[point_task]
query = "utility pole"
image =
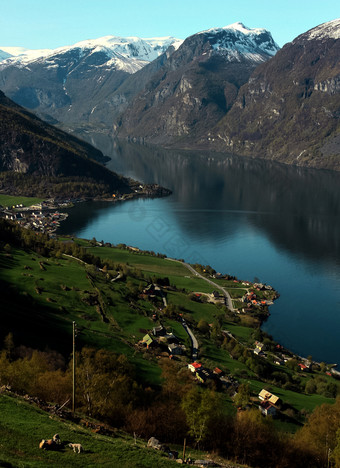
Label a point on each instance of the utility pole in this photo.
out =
(74, 369)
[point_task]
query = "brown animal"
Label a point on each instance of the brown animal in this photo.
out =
(48, 444)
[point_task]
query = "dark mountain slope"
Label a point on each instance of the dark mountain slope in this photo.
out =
(30, 146)
(289, 109)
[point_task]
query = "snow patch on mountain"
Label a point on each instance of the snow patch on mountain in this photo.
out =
(21, 53)
(236, 40)
(125, 53)
(331, 29)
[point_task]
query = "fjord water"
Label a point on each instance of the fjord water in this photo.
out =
(245, 217)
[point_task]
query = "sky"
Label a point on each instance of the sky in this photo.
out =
(37, 24)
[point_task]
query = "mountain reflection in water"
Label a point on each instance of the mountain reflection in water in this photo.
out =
(246, 217)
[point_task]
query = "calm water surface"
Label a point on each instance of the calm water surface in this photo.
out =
(249, 218)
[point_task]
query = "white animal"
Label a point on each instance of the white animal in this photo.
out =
(76, 447)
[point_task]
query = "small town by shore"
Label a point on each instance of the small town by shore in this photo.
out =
(46, 216)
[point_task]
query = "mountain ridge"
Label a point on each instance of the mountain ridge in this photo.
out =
(196, 85)
(228, 89)
(288, 110)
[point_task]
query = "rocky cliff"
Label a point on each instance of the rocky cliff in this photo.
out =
(289, 109)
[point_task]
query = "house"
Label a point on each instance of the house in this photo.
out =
(264, 395)
(203, 375)
(175, 349)
(200, 376)
(267, 409)
(171, 338)
(225, 381)
(207, 373)
(194, 366)
(303, 367)
(260, 346)
(278, 361)
(259, 286)
(158, 331)
(148, 340)
(258, 352)
(335, 373)
(218, 372)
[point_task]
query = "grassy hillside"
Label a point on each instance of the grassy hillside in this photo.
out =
(49, 293)
(24, 425)
(46, 285)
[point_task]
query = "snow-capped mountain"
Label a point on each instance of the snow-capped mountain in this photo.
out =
(289, 109)
(125, 53)
(197, 85)
(236, 41)
(70, 85)
(91, 83)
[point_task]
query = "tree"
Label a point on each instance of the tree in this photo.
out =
(9, 345)
(310, 386)
(203, 326)
(242, 397)
(201, 409)
(320, 431)
(7, 248)
(336, 451)
(106, 387)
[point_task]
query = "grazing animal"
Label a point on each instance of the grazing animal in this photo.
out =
(56, 439)
(48, 444)
(76, 447)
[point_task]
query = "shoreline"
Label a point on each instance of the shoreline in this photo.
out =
(146, 191)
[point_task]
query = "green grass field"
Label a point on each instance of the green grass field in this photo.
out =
(22, 426)
(9, 200)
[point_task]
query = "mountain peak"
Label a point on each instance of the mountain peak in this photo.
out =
(331, 29)
(237, 39)
(238, 26)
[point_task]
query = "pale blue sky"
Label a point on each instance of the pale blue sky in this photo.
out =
(53, 23)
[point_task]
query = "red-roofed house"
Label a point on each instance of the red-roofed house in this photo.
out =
(218, 371)
(303, 367)
(194, 366)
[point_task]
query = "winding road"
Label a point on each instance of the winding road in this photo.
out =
(227, 296)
